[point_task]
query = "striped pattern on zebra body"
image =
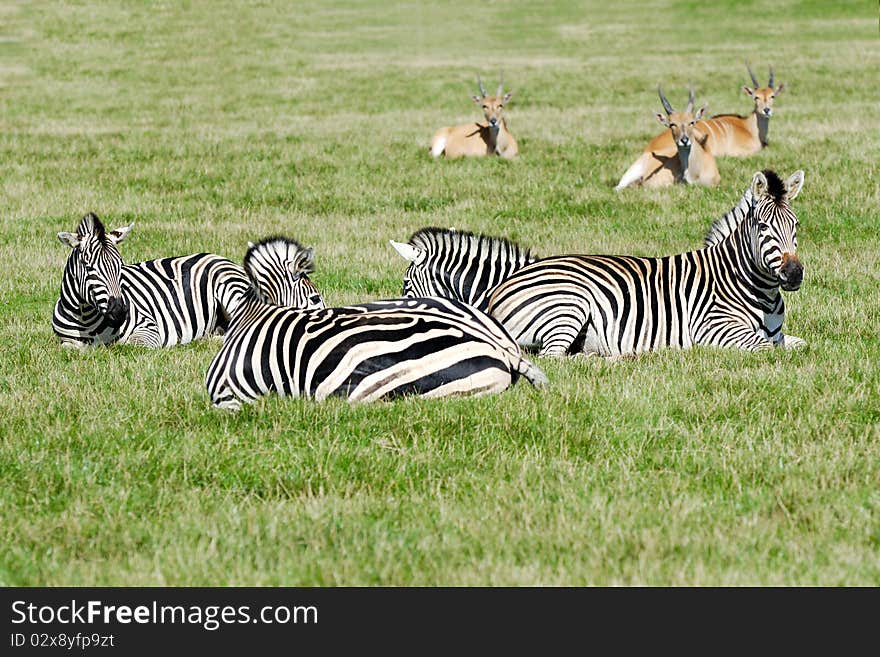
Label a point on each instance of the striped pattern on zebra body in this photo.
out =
(727, 294)
(458, 264)
(426, 347)
(155, 303)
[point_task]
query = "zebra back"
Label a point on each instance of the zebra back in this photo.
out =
(458, 264)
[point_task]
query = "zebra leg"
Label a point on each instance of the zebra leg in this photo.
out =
(557, 336)
(144, 334)
(223, 397)
(73, 344)
(741, 337)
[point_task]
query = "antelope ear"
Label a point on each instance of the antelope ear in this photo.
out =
(794, 184)
(759, 184)
(477, 99)
(409, 252)
(701, 112)
(508, 96)
(69, 239)
(778, 90)
(662, 118)
(749, 92)
(116, 236)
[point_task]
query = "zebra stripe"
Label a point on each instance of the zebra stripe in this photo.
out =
(724, 295)
(428, 347)
(458, 264)
(155, 303)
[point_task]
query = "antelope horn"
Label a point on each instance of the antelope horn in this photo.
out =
(663, 100)
(752, 74)
(770, 83)
(500, 84)
(690, 106)
(480, 85)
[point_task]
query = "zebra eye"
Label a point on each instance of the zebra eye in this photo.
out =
(763, 226)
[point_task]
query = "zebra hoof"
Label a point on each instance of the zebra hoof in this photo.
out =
(73, 344)
(792, 342)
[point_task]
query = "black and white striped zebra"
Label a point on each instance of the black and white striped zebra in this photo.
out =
(727, 294)
(458, 265)
(155, 303)
(428, 347)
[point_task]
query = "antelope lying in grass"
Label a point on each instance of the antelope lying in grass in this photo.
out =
(478, 139)
(732, 134)
(680, 153)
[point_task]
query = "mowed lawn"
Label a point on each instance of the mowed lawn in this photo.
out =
(212, 124)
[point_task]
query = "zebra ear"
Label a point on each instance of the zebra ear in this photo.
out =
(409, 252)
(759, 185)
(116, 236)
(251, 245)
(69, 239)
(305, 261)
(793, 184)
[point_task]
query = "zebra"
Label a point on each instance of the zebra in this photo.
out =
(726, 294)
(154, 303)
(428, 347)
(458, 264)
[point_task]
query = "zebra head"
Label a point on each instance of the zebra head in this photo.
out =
(278, 269)
(459, 265)
(94, 268)
(419, 280)
(774, 227)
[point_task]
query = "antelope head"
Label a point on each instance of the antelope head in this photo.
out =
(763, 96)
(493, 106)
(682, 124)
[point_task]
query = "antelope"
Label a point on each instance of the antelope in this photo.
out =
(732, 134)
(478, 139)
(680, 153)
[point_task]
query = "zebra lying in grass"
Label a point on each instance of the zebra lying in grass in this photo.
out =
(427, 347)
(727, 294)
(155, 303)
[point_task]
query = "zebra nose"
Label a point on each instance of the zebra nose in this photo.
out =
(117, 311)
(792, 274)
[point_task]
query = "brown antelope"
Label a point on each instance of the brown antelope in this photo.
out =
(677, 154)
(732, 134)
(478, 139)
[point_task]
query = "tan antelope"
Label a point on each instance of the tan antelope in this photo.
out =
(732, 134)
(478, 139)
(677, 154)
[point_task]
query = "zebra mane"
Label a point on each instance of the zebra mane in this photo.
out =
(775, 187)
(91, 225)
(464, 240)
(730, 220)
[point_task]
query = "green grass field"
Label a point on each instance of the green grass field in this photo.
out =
(210, 126)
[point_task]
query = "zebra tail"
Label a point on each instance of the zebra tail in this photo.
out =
(532, 373)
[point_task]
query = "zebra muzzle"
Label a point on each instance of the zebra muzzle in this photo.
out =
(117, 311)
(791, 274)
